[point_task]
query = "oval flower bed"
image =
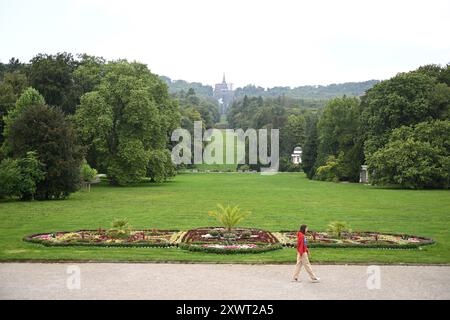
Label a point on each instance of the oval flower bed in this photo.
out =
(136, 238)
(355, 240)
(238, 240)
(219, 240)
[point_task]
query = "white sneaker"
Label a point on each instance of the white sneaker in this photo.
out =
(316, 280)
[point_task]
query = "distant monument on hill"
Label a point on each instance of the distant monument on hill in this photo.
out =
(223, 92)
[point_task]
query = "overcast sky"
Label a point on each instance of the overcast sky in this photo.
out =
(267, 43)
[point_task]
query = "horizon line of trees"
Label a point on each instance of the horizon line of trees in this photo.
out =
(305, 92)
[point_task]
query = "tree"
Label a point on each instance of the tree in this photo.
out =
(160, 166)
(45, 130)
(88, 74)
(406, 99)
(52, 76)
(292, 134)
(128, 117)
(29, 98)
(338, 137)
(309, 150)
(414, 157)
(11, 87)
(190, 105)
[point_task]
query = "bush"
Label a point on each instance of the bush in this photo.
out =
(286, 165)
(120, 229)
(415, 157)
(329, 171)
(244, 167)
(337, 228)
(87, 173)
(18, 177)
(9, 178)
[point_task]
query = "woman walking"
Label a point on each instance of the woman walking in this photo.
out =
(303, 255)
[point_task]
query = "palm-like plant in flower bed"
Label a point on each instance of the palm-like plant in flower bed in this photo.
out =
(121, 229)
(229, 239)
(229, 216)
(338, 228)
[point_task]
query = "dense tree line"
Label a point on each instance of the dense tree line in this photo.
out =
(195, 107)
(399, 128)
(308, 92)
(57, 111)
(283, 113)
(176, 86)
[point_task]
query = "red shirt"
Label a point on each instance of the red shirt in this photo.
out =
(301, 243)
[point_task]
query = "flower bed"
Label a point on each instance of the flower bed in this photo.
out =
(239, 240)
(136, 238)
(237, 236)
(230, 249)
(354, 240)
(218, 240)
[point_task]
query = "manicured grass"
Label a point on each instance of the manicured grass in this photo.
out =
(279, 202)
(224, 166)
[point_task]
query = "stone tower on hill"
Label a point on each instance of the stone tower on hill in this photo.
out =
(223, 92)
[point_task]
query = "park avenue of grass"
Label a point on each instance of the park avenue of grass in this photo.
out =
(279, 202)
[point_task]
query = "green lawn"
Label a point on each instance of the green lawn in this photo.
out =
(279, 202)
(224, 166)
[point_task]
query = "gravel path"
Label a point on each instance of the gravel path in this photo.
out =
(217, 281)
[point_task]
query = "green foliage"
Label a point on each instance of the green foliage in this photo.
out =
(9, 178)
(120, 228)
(286, 165)
(129, 164)
(309, 151)
(311, 93)
(160, 166)
(52, 75)
(329, 171)
(406, 99)
(274, 201)
(88, 74)
(18, 177)
(45, 130)
(177, 86)
(195, 107)
(285, 114)
(30, 97)
(87, 173)
(11, 87)
(32, 173)
(414, 157)
(229, 216)
(292, 134)
(338, 137)
(337, 228)
(125, 120)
